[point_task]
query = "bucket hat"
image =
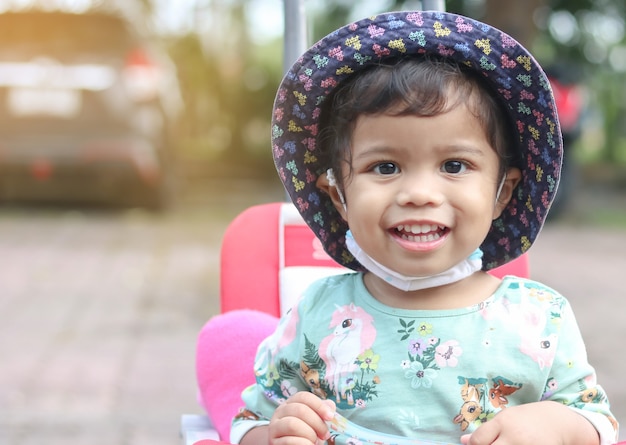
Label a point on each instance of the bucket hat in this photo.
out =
(515, 77)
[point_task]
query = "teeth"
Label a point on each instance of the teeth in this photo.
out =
(417, 229)
(420, 232)
(422, 238)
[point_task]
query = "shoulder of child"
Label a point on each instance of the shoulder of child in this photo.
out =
(528, 288)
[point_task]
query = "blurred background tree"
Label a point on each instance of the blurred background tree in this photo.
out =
(230, 66)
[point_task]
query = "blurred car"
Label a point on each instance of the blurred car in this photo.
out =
(88, 109)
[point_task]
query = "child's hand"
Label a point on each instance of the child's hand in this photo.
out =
(302, 419)
(548, 423)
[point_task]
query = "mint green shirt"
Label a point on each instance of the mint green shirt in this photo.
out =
(432, 375)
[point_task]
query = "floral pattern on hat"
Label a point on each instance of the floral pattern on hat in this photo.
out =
(511, 70)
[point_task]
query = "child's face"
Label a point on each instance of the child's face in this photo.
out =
(422, 192)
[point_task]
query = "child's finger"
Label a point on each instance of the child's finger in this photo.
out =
(325, 409)
(303, 415)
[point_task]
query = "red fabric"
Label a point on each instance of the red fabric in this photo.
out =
(303, 248)
(249, 261)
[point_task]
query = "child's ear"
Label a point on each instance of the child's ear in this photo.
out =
(513, 177)
(331, 190)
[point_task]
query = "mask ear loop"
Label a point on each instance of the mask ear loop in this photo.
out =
(332, 181)
(500, 188)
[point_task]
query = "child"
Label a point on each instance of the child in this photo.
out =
(423, 149)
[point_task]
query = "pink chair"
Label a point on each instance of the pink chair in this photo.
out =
(268, 257)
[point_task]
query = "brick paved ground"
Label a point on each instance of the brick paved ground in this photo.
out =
(99, 311)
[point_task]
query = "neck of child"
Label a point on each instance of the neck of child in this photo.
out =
(467, 292)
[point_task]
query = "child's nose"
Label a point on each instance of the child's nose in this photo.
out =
(420, 190)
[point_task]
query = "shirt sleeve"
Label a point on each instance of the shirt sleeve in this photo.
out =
(573, 380)
(278, 377)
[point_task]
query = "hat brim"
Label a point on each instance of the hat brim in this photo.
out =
(512, 71)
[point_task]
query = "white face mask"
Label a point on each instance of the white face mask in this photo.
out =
(462, 270)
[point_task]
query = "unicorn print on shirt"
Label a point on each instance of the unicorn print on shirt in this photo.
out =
(353, 334)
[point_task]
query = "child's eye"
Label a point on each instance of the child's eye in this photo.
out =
(386, 168)
(454, 167)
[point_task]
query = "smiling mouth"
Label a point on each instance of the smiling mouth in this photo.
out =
(420, 232)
